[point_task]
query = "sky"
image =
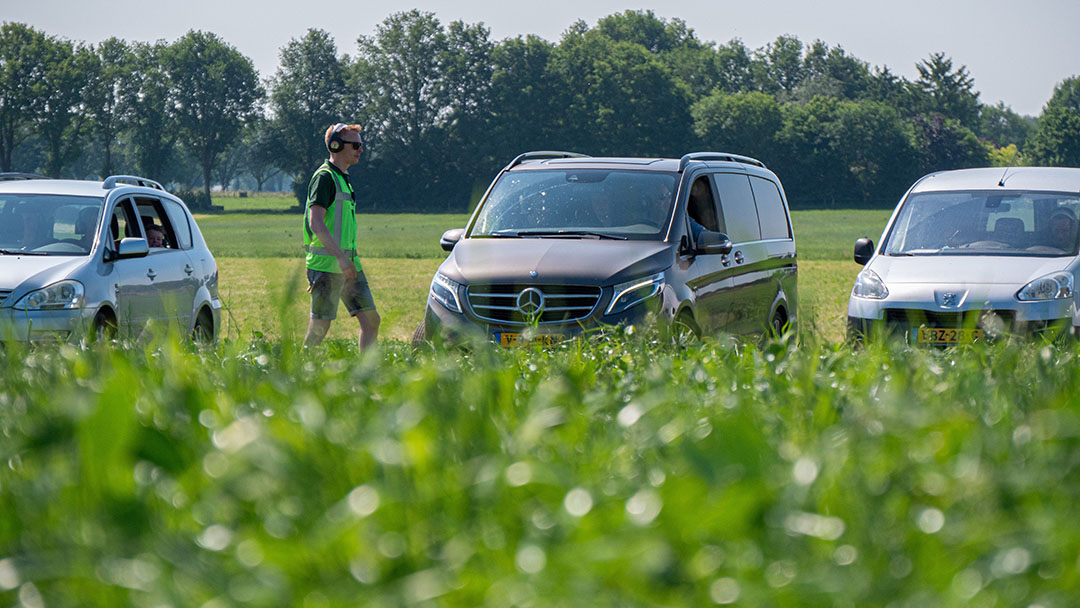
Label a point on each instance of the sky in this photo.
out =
(1015, 51)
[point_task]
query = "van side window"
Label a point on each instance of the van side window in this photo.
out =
(770, 207)
(700, 206)
(737, 205)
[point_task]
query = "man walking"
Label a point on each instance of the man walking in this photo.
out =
(333, 268)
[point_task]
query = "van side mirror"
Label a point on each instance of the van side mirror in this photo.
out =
(864, 250)
(709, 242)
(450, 238)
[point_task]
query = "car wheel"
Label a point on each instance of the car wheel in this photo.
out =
(778, 323)
(203, 332)
(684, 330)
(418, 337)
(104, 328)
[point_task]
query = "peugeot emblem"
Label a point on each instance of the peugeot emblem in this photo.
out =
(530, 302)
(948, 299)
(532, 273)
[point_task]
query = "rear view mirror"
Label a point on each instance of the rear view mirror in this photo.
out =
(864, 250)
(450, 238)
(713, 242)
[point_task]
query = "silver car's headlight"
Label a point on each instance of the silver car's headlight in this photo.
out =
(633, 292)
(869, 285)
(1054, 286)
(64, 295)
(445, 292)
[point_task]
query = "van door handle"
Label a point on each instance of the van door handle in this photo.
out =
(739, 257)
(150, 273)
(188, 269)
(724, 260)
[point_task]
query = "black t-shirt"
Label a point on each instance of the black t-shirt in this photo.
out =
(322, 189)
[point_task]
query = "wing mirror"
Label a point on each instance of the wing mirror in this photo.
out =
(450, 238)
(131, 247)
(864, 250)
(713, 242)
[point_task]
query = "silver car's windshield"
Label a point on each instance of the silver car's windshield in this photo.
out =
(585, 203)
(48, 224)
(1013, 223)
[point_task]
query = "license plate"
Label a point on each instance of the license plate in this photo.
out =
(942, 335)
(507, 338)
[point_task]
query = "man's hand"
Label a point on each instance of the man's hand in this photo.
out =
(347, 267)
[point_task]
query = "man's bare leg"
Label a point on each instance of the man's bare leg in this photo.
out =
(316, 331)
(369, 328)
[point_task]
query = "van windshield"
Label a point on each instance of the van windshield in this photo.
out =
(1012, 223)
(584, 203)
(48, 224)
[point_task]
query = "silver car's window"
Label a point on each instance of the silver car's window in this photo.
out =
(627, 204)
(1016, 223)
(49, 224)
(179, 223)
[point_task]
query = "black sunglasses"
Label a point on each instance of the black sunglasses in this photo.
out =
(355, 144)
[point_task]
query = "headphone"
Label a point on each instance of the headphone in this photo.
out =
(335, 143)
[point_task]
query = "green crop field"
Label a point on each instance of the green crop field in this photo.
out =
(613, 470)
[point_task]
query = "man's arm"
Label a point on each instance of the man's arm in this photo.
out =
(318, 226)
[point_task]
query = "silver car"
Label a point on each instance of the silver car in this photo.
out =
(974, 254)
(75, 260)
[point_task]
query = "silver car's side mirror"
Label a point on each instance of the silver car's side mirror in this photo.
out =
(864, 250)
(132, 247)
(450, 238)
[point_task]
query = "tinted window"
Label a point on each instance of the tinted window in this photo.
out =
(700, 205)
(179, 224)
(770, 207)
(737, 206)
(631, 204)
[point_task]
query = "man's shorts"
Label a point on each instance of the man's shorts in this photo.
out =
(328, 287)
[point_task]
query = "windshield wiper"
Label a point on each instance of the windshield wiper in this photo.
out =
(581, 233)
(503, 234)
(19, 252)
(913, 252)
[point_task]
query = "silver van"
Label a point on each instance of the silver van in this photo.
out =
(973, 254)
(85, 257)
(562, 243)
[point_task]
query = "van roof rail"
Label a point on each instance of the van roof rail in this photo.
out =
(520, 158)
(9, 176)
(724, 156)
(111, 181)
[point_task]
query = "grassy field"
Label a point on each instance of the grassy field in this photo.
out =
(260, 261)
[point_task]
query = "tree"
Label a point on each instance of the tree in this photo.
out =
(527, 98)
(60, 121)
(307, 95)
(1056, 141)
(779, 66)
(832, 72)
(24, 53)
(1000, 125)
(149, 108)
(945, 144)
(735, 68)
(110, 64)
(875, 145)
(744, 123)
(216, 90)
(948, 92)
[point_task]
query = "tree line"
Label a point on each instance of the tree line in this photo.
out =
(445, 106)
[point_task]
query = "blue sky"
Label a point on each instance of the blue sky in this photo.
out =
(1016, 51)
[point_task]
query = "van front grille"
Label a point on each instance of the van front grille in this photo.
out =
(504, 303)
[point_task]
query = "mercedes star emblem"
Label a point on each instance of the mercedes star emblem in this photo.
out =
(530, 302)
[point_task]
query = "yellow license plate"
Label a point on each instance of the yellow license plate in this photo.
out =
(941, 335)
(514, 339)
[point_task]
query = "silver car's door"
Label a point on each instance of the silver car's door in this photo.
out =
(175, 278)
(131, 283)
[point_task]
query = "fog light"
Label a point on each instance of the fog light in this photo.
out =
(992, 323)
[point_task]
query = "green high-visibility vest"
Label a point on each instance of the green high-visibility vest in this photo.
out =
(340, 223)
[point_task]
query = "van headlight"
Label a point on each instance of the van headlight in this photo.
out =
(1055, 286)
(633, 292)
(869, 285)
(64, 295)
(445, 292)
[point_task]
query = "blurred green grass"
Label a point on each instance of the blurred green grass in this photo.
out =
(606, 472)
